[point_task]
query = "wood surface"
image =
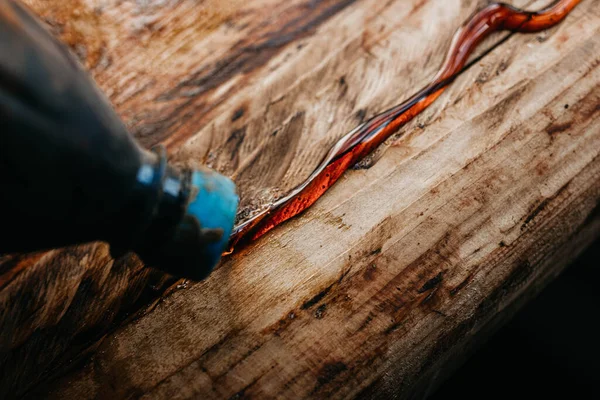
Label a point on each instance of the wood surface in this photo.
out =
(386, 282)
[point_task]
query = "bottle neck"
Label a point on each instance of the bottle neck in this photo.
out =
(178, 221)
(158, 205)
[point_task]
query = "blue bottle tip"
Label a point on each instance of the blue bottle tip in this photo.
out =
(215, 205)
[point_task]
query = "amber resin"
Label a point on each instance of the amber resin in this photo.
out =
(365, 138)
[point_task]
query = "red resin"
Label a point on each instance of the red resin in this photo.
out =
(367, 137)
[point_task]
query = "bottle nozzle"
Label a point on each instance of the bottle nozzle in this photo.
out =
(191, 220)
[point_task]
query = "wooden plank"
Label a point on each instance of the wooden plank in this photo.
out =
(391, 271)
(55, 305)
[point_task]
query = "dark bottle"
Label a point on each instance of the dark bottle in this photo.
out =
(71, 173)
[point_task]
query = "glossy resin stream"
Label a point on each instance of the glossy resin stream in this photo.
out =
(361, 141)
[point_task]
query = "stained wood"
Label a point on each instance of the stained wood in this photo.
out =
(469, 211)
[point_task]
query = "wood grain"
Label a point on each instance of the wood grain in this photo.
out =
(473, 206)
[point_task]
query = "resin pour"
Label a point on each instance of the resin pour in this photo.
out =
(361, 141)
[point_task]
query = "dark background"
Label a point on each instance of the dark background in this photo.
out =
(550, 348)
